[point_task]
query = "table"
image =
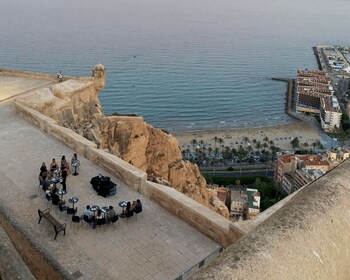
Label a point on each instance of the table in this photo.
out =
(73, 200)
(94, 208)
(104, 210)
(61, 192)
(123, 204)
(55, 180)
(75, 165)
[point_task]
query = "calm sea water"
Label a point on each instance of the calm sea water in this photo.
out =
(184, 64)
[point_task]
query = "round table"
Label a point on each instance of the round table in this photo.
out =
(61, 192)
(123, 204)
(55, 180)
(75, 165)
(73, 200)
(94, 208)
(104, 210)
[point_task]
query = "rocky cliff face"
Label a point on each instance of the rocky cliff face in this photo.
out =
(156, 153)
(75, 104)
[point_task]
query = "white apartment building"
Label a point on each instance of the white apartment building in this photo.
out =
(330, 113)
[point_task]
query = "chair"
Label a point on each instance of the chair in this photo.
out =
(40, 184)
(48, 198)
(100, 222)
(87, 220)
(138, 211)
(114, 219)
(76, 220)
(55, 199)
(61, 208)
(71, 210)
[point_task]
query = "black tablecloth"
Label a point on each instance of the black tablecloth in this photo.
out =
(103, 185)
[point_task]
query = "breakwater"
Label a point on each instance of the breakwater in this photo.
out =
(317, 54)
(289, 95)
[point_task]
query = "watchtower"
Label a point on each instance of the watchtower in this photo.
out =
(99, 74)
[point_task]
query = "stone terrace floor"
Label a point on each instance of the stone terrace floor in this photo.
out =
(12, 86)
(156, 245)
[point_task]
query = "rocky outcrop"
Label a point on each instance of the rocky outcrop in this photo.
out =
(74, 104)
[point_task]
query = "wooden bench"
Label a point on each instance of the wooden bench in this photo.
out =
(58, 227)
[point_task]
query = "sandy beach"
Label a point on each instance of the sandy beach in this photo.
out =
(281, 135)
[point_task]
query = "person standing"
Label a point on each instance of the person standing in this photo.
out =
(53, 165)
(60, 77)
(64, 176)
(64, 163)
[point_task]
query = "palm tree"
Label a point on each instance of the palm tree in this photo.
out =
(295, 143)
(215, 140)
(226, 153)
(249, 149)
(258, 146)
(265, 145)
(266, 139)
(210, 150)
(221, 142)
(201, 144)
(245, 140)
(194, 143)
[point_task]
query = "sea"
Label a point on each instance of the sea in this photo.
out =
(182, 65)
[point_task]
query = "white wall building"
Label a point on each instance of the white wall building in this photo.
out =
(330, 113)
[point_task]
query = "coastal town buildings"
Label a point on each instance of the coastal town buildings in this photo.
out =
(330, 113)
(243, 203)
(295, 171)
(315, 95)
(311, 86)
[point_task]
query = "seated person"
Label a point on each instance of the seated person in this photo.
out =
(128, 212)
(46, 181)
(99, 215)
(99, 219)
(88, 214)
(110, 214)
(138, 206)
(54, 196)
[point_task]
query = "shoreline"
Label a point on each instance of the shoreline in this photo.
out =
(280, 134)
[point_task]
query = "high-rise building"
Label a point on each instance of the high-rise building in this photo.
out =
(330, 113)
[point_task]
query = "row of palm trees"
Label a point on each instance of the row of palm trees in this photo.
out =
(202, 151)
(248, 150)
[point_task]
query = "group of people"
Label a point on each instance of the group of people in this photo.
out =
(98, 218)
(131, 208)
(49, 177)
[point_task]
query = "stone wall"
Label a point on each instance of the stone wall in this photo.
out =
(308, 238)
(21, 258)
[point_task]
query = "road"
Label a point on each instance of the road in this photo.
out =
(268, 173)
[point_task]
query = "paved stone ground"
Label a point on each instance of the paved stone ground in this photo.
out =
(12, 86)
(156, 245)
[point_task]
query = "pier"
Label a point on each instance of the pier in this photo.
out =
(289, 95)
